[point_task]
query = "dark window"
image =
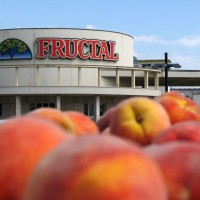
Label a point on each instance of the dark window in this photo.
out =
(102, 109)
(39, 105)
(34, 106)
(1, 110)
(45, 104)
(146, 65)
(86, 109)
(52, 105)
(89, 109)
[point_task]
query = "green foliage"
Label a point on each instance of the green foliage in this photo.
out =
(11, 46)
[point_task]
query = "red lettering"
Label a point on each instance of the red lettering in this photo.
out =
(71, 48)
(104, 52)
(43, 47)
(57, 46)
(71, 45)
(81, 51)
(94, 46)
(113, 56)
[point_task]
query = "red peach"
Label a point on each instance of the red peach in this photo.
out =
(106, 131)
(97, 167)
(104, 121)
(179, 107)
(55, 116)
(83, 125)
(23, 142)
(180, 165)
(139, 119)
(185, 130)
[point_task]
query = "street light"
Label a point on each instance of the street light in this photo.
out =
(166, 66)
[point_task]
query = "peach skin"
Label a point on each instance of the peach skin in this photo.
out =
(139, 119)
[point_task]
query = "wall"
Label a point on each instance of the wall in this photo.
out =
(124, 45)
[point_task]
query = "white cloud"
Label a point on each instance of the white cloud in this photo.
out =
(187, 61)
(149, 39)
(135, 54)
(191, 41)
(90, 26)
(52, 26)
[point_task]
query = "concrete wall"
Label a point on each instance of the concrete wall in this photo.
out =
(124, 45)
(48, 74)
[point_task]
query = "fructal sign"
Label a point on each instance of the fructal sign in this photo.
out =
(71, 48)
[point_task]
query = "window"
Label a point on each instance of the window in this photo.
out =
(34, 106)
(0, 110)
(146, 65)
(89, 109)
(102, 109)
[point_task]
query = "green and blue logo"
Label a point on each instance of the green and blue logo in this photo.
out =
(13, 49)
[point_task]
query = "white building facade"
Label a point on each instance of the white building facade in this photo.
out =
(69, 69)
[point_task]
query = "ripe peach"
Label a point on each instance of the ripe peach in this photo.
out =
(83, 125)
(139, 119)
(97, 167)
(179, 107)
(185, 130)
(104, 121)
(106, 131)
(54, 115)
(23, 142)
(180, 165)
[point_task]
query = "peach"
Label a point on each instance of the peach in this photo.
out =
(83, 125)
(139, 119)
(180, 165)
(106, 131)
(185, 130)
(97, 167)
(23, 142)
(55, 116)
(104, 121)
(179, 107)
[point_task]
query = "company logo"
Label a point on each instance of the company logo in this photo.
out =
(13, 49)
(71, 48)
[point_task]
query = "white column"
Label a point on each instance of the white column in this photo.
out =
(117, 77)
(58, 102)
(97, 108)
(156, 78)
(18, 105)
(146, 79)
(133, 78)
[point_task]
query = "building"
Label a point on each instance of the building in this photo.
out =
(78, 69)
(185, 81)
(69, 69)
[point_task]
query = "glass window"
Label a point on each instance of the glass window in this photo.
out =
(89, 109)
(45, 104)
(86, 109)
(34, 106)
(146, 65)
(102, 109)
(1, 110)
(52, 105)
(39, 105)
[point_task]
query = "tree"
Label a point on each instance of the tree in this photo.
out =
(12, 47)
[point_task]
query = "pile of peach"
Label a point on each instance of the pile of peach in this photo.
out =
(140, 149)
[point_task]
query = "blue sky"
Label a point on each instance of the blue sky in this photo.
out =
(158, 26)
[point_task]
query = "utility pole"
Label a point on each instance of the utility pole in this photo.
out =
(166, 72)
(166, 66)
